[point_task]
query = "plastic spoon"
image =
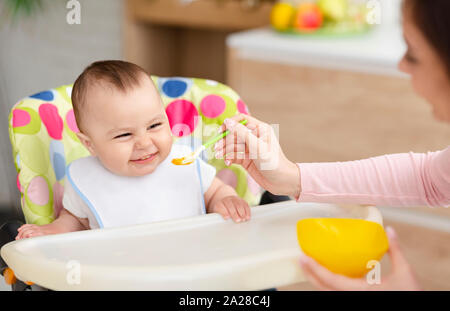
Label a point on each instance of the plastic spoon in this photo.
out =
(192, 156)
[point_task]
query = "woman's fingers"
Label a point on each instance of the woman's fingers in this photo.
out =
(402, 276)
(235, 137)
(230, 140)
(240, 133)
(254, 139)
(236, 154)
(251, 122)
(231, 149)
(328, 279)
(397, 258)
(238, 159)
(237, 118)
(311, 277)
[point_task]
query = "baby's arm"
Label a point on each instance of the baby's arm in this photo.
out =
(223, 199)
(66, 222)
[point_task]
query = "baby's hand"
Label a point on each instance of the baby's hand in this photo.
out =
(234, 207)
(29, 231)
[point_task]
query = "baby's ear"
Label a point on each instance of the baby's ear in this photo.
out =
(87, 142)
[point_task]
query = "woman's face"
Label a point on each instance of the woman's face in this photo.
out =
(429, 76)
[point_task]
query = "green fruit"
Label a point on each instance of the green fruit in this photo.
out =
(335, 10)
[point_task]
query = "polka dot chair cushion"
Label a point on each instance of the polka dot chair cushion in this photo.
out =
(42, 131)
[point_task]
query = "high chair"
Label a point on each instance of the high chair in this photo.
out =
(42, 130)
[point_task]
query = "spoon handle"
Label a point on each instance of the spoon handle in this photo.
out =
(220, 136)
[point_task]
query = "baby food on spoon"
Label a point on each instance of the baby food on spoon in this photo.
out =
(181, 161)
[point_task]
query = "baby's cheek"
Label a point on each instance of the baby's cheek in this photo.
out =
(117, 158)
(125, 153)
(164, 144)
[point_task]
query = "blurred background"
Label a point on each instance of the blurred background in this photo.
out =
(325, 70)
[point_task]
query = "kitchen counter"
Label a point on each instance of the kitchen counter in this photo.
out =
(378, 51)
(334, 99)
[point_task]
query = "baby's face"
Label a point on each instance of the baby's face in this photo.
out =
(129, 132)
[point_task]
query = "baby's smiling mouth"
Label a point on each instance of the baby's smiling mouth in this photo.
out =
(146, 157)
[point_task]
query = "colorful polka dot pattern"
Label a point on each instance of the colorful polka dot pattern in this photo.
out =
(212, 106)
(43, 129)
(242, 107)
(183, 117)
(174, 87)
(51, 119)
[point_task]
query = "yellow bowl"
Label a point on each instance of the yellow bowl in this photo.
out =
(344, 246)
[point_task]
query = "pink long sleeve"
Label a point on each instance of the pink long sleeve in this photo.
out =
(405, 179)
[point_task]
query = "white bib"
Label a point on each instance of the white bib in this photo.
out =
(171, 191)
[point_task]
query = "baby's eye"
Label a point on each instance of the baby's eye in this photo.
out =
(154, 125)
(122, 135)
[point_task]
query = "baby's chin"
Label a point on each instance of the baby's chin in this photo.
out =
(136, 170)
(131, 169)
(139, 173)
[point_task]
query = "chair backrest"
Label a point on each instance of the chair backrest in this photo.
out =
(42, 131)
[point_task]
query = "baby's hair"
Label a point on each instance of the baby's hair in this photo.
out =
(120, 75)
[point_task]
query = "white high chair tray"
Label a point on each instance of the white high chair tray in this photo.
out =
(198, 253)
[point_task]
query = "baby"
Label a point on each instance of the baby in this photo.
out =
(129, 178)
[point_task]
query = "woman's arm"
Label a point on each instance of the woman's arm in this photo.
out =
(405, 179)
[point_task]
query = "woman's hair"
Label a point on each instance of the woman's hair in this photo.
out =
(120, 75)
(432, 18)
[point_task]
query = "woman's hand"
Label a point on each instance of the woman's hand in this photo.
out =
(256, 148)
(400, 278)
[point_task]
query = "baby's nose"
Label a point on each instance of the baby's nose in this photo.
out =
(143, 142)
